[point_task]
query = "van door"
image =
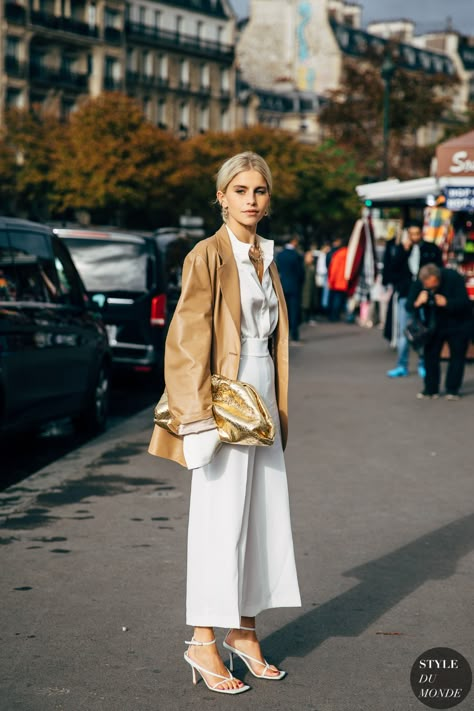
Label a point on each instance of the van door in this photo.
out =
(47, 371)
(29, 361)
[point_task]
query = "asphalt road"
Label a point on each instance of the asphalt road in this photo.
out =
(23, 455)
(381, 486)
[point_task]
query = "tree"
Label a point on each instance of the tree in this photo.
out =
(114, 163)
(353, 116)
(27, 156)
(313, 186)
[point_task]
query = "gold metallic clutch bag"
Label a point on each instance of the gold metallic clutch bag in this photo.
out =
(241, 415)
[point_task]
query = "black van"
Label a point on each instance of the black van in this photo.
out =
(123, 275)
(54, 355)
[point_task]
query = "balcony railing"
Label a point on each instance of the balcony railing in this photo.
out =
(15, 13)
(113, 35)
(113, 84)
(194, 45)
(66, 24)
(134, 77)
(15, 68)
(67, 78)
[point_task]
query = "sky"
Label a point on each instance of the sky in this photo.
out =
(428, 14)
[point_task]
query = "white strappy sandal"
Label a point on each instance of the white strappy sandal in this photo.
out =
(197, 668)
(244, 657)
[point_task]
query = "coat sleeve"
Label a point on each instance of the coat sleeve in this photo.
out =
(415, 289)
(188, 347)
(458, 301)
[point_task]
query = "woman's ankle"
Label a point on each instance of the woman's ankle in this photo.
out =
(204, 634)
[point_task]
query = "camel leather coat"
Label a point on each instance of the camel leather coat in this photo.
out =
(204, 338)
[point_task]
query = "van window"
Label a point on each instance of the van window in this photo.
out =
(70, 288)
(110, 266)
(7, 270)
(35, 280)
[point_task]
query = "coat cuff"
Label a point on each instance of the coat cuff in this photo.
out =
(196, 427)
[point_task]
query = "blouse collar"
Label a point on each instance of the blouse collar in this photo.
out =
(241, 249)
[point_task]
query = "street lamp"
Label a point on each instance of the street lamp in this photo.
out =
(387, 71)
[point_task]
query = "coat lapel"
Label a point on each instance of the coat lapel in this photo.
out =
(229, 276)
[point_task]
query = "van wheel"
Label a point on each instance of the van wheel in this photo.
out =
(93, 419)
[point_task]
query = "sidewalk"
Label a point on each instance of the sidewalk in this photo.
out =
(381, 484)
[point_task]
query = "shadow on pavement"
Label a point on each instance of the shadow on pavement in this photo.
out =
(384, 583)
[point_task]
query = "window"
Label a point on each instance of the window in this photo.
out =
(131, 60)
(204, 118)
(36, 280)
(184, 115)
(179, 24)
(184, 72)
(147, 64)
(147, 108)
(13, 47)
(112, 73)
(163, 66)
(111, 18)
(70, 288)
(157, 19)
(15, 98)
(225, 126)
(199, 26)
(204, 76)
(7, 270)
(142, 15)
(219, 33)
(162, 113)
(91, 16)
(225, 83)
(110, 266)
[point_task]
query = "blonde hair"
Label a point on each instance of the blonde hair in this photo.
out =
(238, 164)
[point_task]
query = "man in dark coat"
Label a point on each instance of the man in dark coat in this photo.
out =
(290, 264)
(401, 270)
(439, 297)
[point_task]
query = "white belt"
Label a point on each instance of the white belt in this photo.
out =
(254, 347)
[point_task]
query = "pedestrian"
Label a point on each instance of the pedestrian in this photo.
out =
(404, 264)
(308, 295)
(322, 288)
(338, 284)
(290, 264)
(439, 297)
(240, 558)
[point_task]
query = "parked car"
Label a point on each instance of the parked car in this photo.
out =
(123, 275)
(173, 243)
(54, 355)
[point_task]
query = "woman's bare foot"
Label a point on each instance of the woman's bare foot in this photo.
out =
(246, 641)
(209, 658)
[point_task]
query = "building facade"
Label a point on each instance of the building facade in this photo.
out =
(176, 58)
(303, 43)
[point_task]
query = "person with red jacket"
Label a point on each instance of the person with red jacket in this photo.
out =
(338, 284)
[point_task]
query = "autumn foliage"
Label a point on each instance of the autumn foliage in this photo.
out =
(110, 163)
(353, 116)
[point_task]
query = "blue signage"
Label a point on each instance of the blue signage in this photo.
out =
(460, 199)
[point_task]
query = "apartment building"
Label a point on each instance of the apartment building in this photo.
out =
(176, 58)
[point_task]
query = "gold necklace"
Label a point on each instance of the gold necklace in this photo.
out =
(256, 257)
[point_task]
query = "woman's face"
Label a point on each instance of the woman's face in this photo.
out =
(246, 198)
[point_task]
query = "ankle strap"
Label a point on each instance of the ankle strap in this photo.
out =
(200, 644)
(249, 629)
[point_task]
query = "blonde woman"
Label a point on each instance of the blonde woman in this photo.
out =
(230, 317)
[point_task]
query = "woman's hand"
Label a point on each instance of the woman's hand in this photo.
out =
(200, 448)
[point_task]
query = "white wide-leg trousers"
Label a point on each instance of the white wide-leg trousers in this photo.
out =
(240, 545)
